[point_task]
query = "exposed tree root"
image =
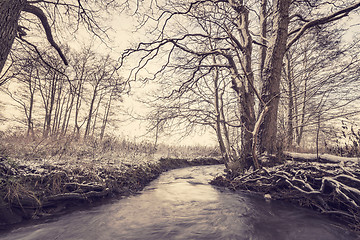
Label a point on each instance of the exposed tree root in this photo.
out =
(332, 189)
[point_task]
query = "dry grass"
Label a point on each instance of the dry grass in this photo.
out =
(109, 150)
(38, 174)
(17, 191)
(68, 159)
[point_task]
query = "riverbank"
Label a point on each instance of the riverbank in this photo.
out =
(180, 204)
(34, 190)
(327, 184)
(42, 177)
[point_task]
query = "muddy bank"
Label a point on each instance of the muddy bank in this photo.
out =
(329, 187)
(36, 189)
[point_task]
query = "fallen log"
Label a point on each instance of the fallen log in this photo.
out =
(75, 196)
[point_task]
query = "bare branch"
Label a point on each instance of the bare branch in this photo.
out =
(44, 21)
(332, 17)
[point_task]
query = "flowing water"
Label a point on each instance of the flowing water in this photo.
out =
(181, 204)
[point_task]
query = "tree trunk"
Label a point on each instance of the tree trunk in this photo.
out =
(62, 115)
(30, 124)
(51, 101)
(105, 120)
(9, 16)
(247, 117)
(263, 25)
(317, 136)
(247, 92)
(88, 121)
(58, 109)
(302, 120)
(78, 92)
(32, 89)
(272, 75)
(290, 102)
(96, 114)
(221, 128)
(220, 139)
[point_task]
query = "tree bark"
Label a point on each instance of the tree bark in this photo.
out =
(248, 112)
(302, 121)
(78, 93)
(243, 85)
(50, 105)
(106, 116)
(272, 75)
(90, 114)
(263, 25)
(224, 152)
(68, 110)
(32, 88)
(9, 16)
(290, 101)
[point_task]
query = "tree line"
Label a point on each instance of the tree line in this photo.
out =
(78, 99)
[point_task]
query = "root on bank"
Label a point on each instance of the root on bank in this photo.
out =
(330, 188)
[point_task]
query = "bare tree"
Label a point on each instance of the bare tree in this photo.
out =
(43, 91)
(226, 24)
(319, 75)
(13, 19)
(25, 71)
(50, 88)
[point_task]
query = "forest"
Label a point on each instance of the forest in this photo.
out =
(273, 82)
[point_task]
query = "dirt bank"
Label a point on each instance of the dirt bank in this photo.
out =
(36, 189)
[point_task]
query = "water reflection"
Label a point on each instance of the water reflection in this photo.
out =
(181, 205)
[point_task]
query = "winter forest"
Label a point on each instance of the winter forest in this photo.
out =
(270, 87)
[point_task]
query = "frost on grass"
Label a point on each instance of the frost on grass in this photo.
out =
(38, 175)
(322, 157)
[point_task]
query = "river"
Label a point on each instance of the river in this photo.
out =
(181, 204)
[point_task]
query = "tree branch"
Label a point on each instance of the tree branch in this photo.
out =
(44, 21)
(332, 17)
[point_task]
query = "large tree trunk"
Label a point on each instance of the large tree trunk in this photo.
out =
(247, 116)
(247, 92)
(244, 84)
(272, 76)
(9, 16)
